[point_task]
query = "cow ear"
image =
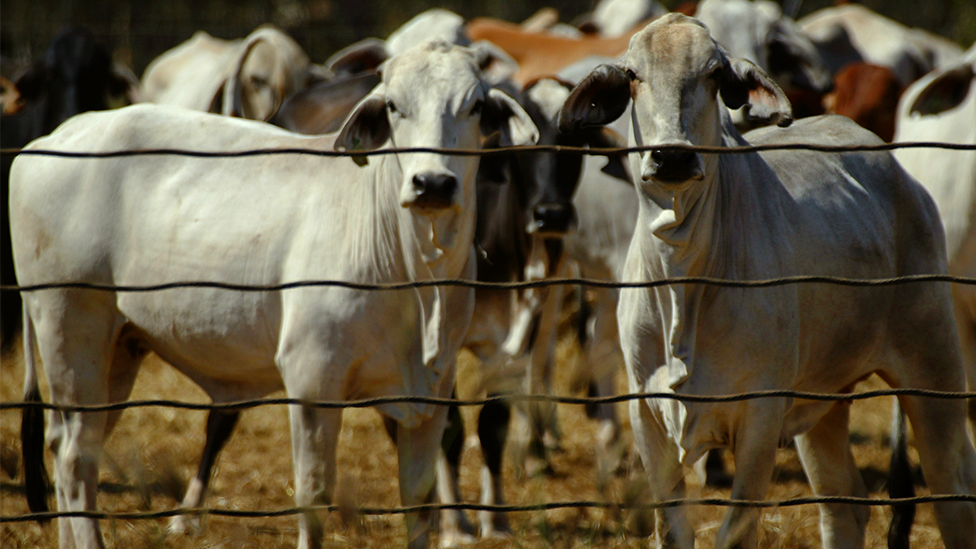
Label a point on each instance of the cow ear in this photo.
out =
(363, 56)
(503, 114)
(743, 84)
(494, 169)
(366, 129)
(606, 138)
(598, 100)
(233, 103)
(495, 63)
(945, 92)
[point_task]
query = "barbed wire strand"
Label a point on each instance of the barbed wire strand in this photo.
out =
(438, 401)
(562, 149)
(715, 502)
(478, 284)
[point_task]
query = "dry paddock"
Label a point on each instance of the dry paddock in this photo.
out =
(153, 453)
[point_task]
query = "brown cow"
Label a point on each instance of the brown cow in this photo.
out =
(867, 94)
(542, 54)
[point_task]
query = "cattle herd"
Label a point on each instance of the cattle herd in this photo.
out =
(722, 73)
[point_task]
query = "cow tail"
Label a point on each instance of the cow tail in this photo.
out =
(36, 481)
(901, 483)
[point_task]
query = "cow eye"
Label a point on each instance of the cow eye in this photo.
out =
(631, 75)
(390, 106)
(476, 109)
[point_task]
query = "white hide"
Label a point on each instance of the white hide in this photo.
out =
(616, 17)
(257, 221)
(758, 216)
(949, 175)
(910, 53)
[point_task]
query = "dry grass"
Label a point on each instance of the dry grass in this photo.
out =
(154, 452)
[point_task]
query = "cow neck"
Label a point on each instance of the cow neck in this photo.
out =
(687, 234)
(432, 248)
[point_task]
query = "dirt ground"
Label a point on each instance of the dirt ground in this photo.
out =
(153, 453)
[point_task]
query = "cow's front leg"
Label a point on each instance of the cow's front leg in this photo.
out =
(417, 451)
(754, 443)
(314, 432)
(659, 454)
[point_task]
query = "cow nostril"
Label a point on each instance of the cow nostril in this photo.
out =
(553, 217)
(420, 183)
(657, 155)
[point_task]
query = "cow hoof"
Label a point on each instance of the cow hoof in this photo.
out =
(494, 525)
(184, 524)
(449, 540)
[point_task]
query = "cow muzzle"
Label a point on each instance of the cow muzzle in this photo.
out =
(552, 220)
(432, 191)
(672, 166)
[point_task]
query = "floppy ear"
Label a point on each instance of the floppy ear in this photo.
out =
(743, 84)
(503, 114)
(945, 92)
(367, 128)
(598, 100)
(606, 138)
(363, 56)
(233, 99)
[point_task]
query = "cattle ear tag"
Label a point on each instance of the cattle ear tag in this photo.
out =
(360, 160)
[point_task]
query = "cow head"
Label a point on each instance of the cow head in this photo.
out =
(269, 67)
(434, 96)
(76, 74)
(546, 182)
(674, 72)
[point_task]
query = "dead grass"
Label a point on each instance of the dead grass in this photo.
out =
(154, 451)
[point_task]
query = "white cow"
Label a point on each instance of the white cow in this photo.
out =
(852, 32)
(758, 31)
(248, 78)
(760, 216)
(260, 220)
(941, 107)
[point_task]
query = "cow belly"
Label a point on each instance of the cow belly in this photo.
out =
(211, 335)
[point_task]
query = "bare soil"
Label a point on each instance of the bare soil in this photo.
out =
(153, 453)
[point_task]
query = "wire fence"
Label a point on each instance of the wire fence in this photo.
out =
(362, 403)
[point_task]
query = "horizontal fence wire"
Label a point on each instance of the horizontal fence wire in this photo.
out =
(715, 502)
(438, 401)
(476, 284)
(240, 405)
(561, 149)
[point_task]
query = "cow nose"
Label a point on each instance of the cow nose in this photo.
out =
(552, 219)
(674, 165)
(434, 190)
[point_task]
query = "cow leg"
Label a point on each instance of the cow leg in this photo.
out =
(417, 451)
(754, 445)
(455, 529)
(948, 463)
(76, 350)
(219, 427)
(602, 356)
(827, 460)
(314, 433)
(659, 454)
(492, 433)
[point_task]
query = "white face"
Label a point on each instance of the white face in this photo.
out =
(434, 98)
(674, 77)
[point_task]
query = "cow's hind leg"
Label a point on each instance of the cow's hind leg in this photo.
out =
(455, 529)
(417, 451)
(828, 462)
(76, 334)
(220, 425)
(492, 432)
(754, 444)
(948, 463)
